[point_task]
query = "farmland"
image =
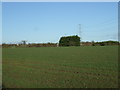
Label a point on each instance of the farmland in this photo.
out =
(60, 67)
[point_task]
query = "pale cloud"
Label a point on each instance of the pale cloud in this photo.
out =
(113, 36)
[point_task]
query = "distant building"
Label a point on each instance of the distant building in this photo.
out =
(57, 44)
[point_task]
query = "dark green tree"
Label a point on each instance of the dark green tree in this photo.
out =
(69, 41)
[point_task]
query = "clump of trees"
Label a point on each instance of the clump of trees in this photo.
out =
(69, 41)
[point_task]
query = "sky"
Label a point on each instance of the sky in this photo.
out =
(42, 22)
(0, 23)
(60, 0)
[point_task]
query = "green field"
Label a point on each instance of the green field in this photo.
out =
(61, 67)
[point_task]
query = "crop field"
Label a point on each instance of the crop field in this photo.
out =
(60, 67)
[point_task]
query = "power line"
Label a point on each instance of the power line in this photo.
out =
(80, 32)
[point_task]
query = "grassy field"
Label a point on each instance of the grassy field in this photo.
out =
(0, 67)
(61, 67)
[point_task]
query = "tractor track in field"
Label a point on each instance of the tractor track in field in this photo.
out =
(61, 65)
(48, 64)
(95, 77)
(59, 70)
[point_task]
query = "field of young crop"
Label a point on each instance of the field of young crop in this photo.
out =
(60, 67)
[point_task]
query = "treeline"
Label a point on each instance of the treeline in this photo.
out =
(104, 43)
(42, 45)
(68, 42)
(31, 45)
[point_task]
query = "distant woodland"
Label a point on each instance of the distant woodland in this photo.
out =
(63, 42)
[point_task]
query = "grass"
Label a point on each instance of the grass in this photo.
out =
(0, 67)
(61, 67)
